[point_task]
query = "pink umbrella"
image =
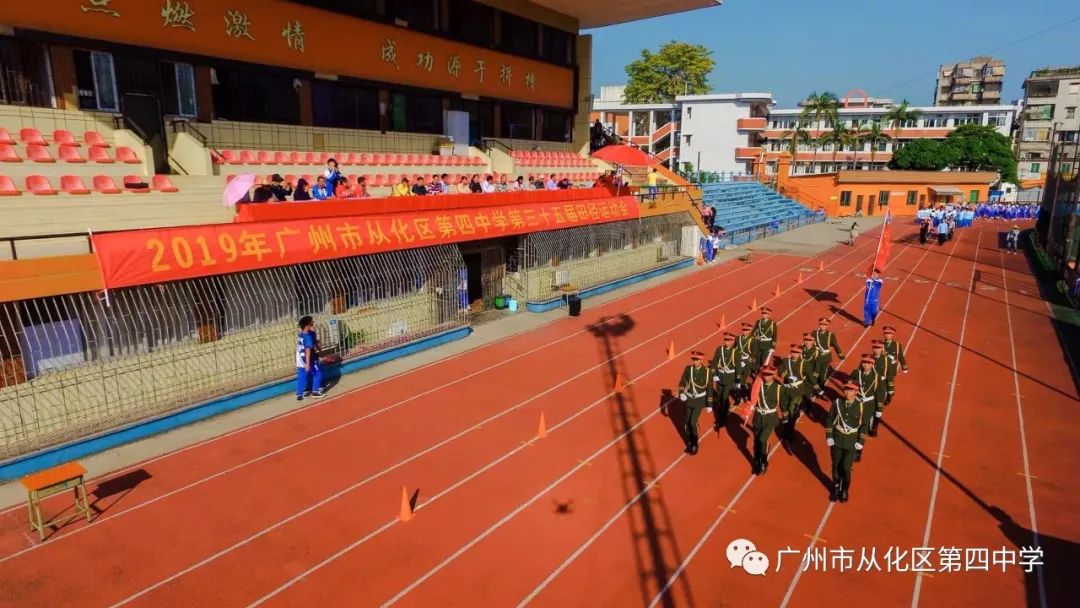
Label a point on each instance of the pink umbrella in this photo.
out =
(237, 188)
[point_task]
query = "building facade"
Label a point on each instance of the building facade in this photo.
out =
(975, 82)
(1049, 118)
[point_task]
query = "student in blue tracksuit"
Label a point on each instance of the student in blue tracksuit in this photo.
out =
(308, 368)
(870, 302)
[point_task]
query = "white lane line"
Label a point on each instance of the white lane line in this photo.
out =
(911, 340)
(135, 507)
(1023, 431)
(490, 530)
(375, 476)
(945, 427)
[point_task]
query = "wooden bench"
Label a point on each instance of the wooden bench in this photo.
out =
(45, 483)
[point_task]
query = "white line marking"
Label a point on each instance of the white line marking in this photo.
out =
(1023, 432)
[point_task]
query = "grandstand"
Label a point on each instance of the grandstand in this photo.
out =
(742, 207)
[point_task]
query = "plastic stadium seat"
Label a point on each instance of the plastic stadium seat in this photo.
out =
(265, 157)
(100, 155)
(30, 135)
(70, 154)
(8, 154)
(105, 184)
(310, 179)
(378, 159)
(297, 158)
(393, 160)
(477, 161)
(73, 184)
(216, 158)
(312, 158)
(161, 183)
(344, 158)
(93, 138)
(229, 157)
(63, 137)
(39, 153)
(247, 157)
(39, 184)
(131, 180)
(324, 157)
(7, 187)
(409, 159)
(230, 177)
(5, 137)
(281, 158)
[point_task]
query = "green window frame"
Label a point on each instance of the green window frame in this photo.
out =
(912, 196)
(845, 198)
(883, 198)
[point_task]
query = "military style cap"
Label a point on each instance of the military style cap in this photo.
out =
(877, 343)
(768, 371)
(696, 355)
(809, 337)
(868, 358)
(728, 336)
(747, 326)
(824, 321)
(796, 349)
(765, 310)
(850, 386)
(888, 330)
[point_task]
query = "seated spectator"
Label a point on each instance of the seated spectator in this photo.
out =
(539, 183)
(518, 185)
(332, 174)
(601, 181)
(446, 187)
(463, 186)
(436, 185)
(260, 194)
(302, 191)
(615, 179)
(419, 189)
(280, 190)
(321, 191)
(474, 184)
(361, 188)
(402, 188)
(503, 185)
(565, 183)
(488, 185)
(344, 188)
(551, 184)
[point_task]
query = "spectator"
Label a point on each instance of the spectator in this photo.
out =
(488, 185)
(436, 185)
(597, 134)
(551, 184)
(518, 185)
(361, 188)
(332, 174)
(419, 189)
(565, 183)
(402, 188)
(653, 185)
(539, 182)
(343, 188)
(302, 191)
(446, 188)
(260, 194)
(615, 179)
(474, 184)
(503, 185)
(279, 189)
(601, 181)
(463, 186)
(321, 191)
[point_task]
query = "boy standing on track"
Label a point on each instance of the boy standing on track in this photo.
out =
(766, 416)
(844, 436)
(725, 369)
(885, 368)
(895, 351)
(765, 334)
(308, 368)
(796, 389)
(825, 341)
(744, 349)
(694, 392)
(865, 378)
(871, 299)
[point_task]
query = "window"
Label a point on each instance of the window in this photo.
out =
(912, 196)
(95, 78)
(973, 196)
(909, 124)
(557, 126)
(987, 71)
(1040, 112)
(1036, 134)
(420, 15)
(1035, 167)
(976, 87)
(935, 122)
(690, 112)
(883, 198)
(845, 198)
(997, 119)
(25, 73)
(966, 119)
(558, 46)
(255, 96)
(1074, 88)
(344, 105)
(517, 122)
(472, 22)
(178, 83)
(519, 35)
(1070, 112)
(882, 145)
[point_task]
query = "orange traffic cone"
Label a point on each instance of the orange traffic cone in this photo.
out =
(722, 324)
(618, 384)
(799, 279)
(821, 265)
(776, 293)
(541, 429)
(406, 507)
(671, 350)
(753, 304)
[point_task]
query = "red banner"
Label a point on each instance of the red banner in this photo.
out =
(168, 254)
(881, 257)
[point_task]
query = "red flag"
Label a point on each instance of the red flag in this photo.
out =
(881, 257)
(746, 410)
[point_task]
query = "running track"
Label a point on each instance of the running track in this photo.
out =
(606, 510)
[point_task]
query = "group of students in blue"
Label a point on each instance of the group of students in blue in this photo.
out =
(1007, 211)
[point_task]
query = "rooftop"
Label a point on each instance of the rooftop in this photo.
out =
(600, 13)
(916, 177)
(1056, 72)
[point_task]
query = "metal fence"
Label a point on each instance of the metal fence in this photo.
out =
(77, 364)
(581, 258)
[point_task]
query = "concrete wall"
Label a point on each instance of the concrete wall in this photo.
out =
(714, 135)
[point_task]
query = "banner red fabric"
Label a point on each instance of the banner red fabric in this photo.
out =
(881, 257)
(142, 257)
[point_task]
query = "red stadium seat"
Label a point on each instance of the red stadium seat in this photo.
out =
(5, 137)
(297, 158)
(7, 187)
(125, 154)
(93, 138)
(344, 158)
(132, 183)
(101, 155)
(39, 184)
(162, 183)
(8, 154)
(247, 157)
(216, 158)
(73, 184)
(281, 158)
(409, 159)
(105, 184)
(265, 157)
(325, 157)
(30, 135)
(39, 153)
(63, 137)
(312, 158)
(311, 179)
(477, 161)
(230, 177)
(378, 180)
(395, 160)
(70, 154)
(230, 157)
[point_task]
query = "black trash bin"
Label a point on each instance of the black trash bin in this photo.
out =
(573, 302)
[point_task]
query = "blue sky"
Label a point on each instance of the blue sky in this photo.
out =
(889, 49)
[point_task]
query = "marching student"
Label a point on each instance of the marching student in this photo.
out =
(766, 416)
(793, 370)
(725, 370)
(826, 343)
(765, 334)
(810, 355)
(895, 351)
(844, 436)
(694, 392)
(865, 378)
(744, 347)
(885, 368)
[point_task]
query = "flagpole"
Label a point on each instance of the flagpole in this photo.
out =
(881, 238)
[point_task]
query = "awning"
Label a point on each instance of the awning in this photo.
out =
(946, 190)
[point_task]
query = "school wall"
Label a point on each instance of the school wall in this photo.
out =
(825, 190)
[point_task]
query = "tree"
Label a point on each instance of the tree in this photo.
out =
(923, 155)
(898, 115)
(817, 108)
(875, 136)
(982, 148)
(678, 68)
(839, 136)
(794, 137)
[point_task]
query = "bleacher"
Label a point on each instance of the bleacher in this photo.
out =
(745, 205)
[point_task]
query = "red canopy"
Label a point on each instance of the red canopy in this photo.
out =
(623, 155)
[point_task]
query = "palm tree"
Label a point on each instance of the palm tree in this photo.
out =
(839, 136)
(794, 137)
(819, 107)
(875, 135)
(898, 115)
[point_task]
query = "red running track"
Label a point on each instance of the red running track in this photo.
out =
(607, 510)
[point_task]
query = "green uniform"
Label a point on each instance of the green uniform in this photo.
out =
(694, 385)
(764, 337)
(825, 341)
(868, 391)
(796, 390)
(844, 429)
(766, 417)
(810, 356)
(885, 368)
(725, 370)
(744, 351)
(895, 351)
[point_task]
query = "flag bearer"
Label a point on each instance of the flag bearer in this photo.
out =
(765, 334)
(895, 351)
(872, 298)
(826, 343)
(793, 370)
(844, 436)
(694, 393)
(767, 400)
(725, 370)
